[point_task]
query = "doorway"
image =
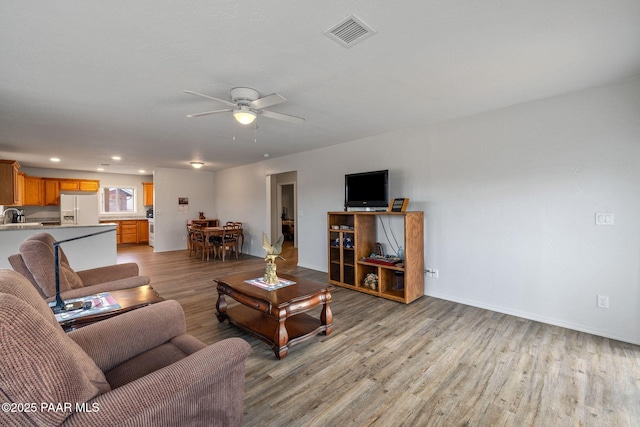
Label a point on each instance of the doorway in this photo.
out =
(284, 207)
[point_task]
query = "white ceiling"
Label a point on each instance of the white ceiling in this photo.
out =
(86, 80)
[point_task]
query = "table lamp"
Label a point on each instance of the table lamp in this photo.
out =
(60, 305)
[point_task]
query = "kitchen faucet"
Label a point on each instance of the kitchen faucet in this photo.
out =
(4, 218)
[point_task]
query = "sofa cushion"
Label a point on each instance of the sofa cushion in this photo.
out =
(14, 283)
(57, 369)
(37, 252)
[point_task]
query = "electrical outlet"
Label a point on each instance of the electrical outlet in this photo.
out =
(431, 272)
(603, 301)
(604, 218)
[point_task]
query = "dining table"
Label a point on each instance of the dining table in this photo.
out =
(221, 231)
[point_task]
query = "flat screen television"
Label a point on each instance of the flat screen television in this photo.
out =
(366, 189)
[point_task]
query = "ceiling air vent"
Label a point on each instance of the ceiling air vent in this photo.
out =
(350, 31)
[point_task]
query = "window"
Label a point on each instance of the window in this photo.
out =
(118, 200)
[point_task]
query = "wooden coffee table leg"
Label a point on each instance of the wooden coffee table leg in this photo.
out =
(221, 307)
(281, 339)
(326, 317)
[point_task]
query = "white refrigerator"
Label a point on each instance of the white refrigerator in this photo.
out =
(81, 209)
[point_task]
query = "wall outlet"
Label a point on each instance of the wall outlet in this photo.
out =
(603, 301)
(431, 272)
(604, 218)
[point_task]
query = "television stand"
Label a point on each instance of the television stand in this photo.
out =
(351, 238)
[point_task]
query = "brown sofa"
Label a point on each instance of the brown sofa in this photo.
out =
(138, 368)
(36, 262)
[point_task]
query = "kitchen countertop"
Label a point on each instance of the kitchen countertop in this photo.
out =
(123, 218)
(32, 226)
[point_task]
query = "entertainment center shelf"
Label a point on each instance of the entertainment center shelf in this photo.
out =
(352, 238)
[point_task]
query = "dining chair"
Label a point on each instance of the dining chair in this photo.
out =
(227, 241)
(202, 244)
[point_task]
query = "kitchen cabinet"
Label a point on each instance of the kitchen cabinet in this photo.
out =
(147, 192)
(143, 231)
(33, 191)
(69, 185)
(89, 185)
(9, 183)
(129, 231)
(51, 192)
(20, 198)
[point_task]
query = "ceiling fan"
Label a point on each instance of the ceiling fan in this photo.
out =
(246, 104)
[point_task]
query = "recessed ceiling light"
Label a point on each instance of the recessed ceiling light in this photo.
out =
(54, 159)
(197, 165)
(100, 169)
(141, 171)
(265, 155)
(116, 158)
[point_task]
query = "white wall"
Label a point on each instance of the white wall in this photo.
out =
(240, 195)
(169, 185)
(509, 197)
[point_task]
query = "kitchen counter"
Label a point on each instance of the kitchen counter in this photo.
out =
(92, 252)
(122, 217)
(39, 226)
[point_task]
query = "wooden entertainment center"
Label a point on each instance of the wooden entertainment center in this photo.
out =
(352, 237)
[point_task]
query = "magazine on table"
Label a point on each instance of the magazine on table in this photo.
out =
(259, 282)
(99, 303)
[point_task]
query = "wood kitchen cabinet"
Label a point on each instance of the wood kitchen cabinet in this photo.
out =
(51, 192)
(143, 231)
(33, 191)
(147, 192)
(20, 198)
(89, 185)
(129, 231)
(9, 183)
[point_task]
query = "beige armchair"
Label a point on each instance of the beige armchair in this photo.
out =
(138, 368)
(36, 262)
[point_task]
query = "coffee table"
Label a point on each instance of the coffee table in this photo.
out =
(276, 317)
(128, 299)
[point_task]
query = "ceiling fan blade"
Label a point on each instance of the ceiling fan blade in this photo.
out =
(268, 101)
(283, 117)
(206, 113)
(230, 104)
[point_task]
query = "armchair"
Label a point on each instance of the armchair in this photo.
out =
(36, 262)
(138, 368)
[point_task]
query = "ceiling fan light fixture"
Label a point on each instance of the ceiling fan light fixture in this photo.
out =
(244, 115)
(197, 165)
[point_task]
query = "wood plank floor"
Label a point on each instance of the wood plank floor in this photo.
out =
(429, 363)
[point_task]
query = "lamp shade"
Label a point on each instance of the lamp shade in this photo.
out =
(244, 116)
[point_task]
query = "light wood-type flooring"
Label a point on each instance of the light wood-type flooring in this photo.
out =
(429, 363)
